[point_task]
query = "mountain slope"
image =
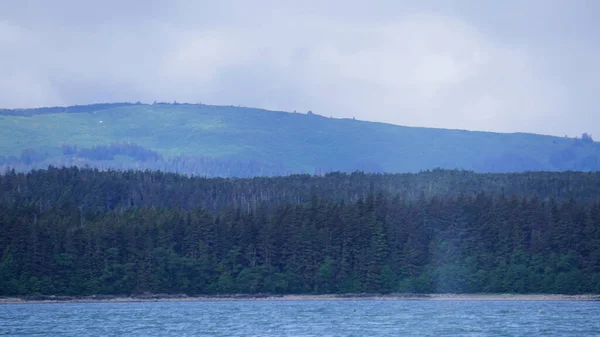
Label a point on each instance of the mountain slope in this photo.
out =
(275, 142)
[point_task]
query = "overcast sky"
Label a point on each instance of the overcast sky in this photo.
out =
(507, 66)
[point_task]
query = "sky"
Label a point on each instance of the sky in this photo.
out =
(503, 66)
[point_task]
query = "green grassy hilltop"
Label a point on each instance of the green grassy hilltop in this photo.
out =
(225, 140)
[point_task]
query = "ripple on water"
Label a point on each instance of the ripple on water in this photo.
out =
(304, 318)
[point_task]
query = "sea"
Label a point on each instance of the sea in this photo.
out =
(304, 318)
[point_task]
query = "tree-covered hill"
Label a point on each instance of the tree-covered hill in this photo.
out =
(79, 232)
(243, 142)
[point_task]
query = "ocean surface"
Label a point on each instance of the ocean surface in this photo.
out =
(304, 318)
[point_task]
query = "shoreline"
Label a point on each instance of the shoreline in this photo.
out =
(291, 297)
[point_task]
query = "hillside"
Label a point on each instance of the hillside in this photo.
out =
(234, 141)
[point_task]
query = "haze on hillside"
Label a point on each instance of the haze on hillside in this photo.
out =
(227, 141)
(511, 66)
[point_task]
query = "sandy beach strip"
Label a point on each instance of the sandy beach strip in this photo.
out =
(268, 297)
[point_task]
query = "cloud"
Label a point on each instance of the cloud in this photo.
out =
(20, 82)
(422, 70)
(8, 34)
(415, 63)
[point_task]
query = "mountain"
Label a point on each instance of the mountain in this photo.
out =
(229, 141)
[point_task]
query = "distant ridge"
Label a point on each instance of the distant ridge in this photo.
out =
(228, 141)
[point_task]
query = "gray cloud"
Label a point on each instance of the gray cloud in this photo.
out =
(502, 66)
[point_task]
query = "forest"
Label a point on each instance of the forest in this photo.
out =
(74, 231)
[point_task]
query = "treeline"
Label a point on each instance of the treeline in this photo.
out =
(449, 244)
(109, 152)
(80, 232)
(125, 156)
(560, 160)
(29, 158)
(97, 190)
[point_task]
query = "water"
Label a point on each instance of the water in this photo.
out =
(304, 318)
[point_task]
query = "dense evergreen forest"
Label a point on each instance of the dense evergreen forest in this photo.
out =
(82, 231)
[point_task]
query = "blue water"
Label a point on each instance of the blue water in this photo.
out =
(304, 318)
